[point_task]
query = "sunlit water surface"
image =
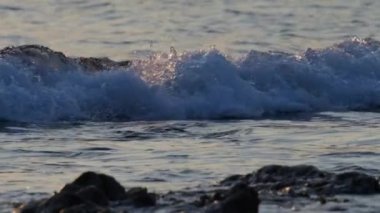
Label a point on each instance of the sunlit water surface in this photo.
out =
(172, 155)
(120, 29)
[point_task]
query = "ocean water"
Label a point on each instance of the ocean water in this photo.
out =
(215, 88)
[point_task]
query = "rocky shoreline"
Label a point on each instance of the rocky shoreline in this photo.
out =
(94, 192)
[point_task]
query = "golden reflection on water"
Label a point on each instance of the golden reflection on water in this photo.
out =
(119, 28)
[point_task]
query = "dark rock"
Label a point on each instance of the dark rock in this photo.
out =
(218, 195)
(356, 183)
(285, 183)
(40, 58)
(305, 180)
(277, 173)
(60, 201)
(101, 64)
(32, 53)
(232, 179)
(93, 194)
(240, 198)
(85, 208)
(140, 197)
(203, 200)
(90, 192)
(30, 207)
(112, 189)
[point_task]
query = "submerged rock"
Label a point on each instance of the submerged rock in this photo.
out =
(42, 59)
(38, 58)
(101, 64)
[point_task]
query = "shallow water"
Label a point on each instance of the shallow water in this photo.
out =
(171, 155)
(152, 125)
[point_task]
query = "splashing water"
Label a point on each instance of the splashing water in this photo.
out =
(196, 85)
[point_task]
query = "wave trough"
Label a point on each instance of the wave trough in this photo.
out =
(202, 84)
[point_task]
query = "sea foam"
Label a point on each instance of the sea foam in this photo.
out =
(203, 84)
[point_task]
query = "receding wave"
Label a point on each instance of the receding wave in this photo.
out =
(206, 84)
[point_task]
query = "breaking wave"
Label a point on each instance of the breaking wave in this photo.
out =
(202, 84)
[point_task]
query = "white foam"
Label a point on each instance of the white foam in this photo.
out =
(198, 85)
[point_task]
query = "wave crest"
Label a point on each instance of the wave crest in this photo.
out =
(43, 85)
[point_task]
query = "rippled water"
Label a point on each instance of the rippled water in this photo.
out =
(176, 154)
(40, 155)
(122, 29)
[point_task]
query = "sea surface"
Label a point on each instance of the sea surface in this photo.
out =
(216, 87)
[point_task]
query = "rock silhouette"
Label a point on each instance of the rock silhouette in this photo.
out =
(95, 192)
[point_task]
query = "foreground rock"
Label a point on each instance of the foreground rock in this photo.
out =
(42, 59)
(306, 181)
(93, 192)
(90, 192)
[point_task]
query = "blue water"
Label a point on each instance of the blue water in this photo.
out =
(215, 88)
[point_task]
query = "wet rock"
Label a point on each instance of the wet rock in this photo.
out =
(30, 207)
(306, 181)
(85, 208)
(140, 197)
(54, 204)
(232, 179)
(277, 173)
(60, 201)
(38, 58)
(356, 183)
(105, 184)
(43, 59)
(99, 64)
(241, 198)
(90, 192)
(310, 180)
(93, 192)
(32, 54)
